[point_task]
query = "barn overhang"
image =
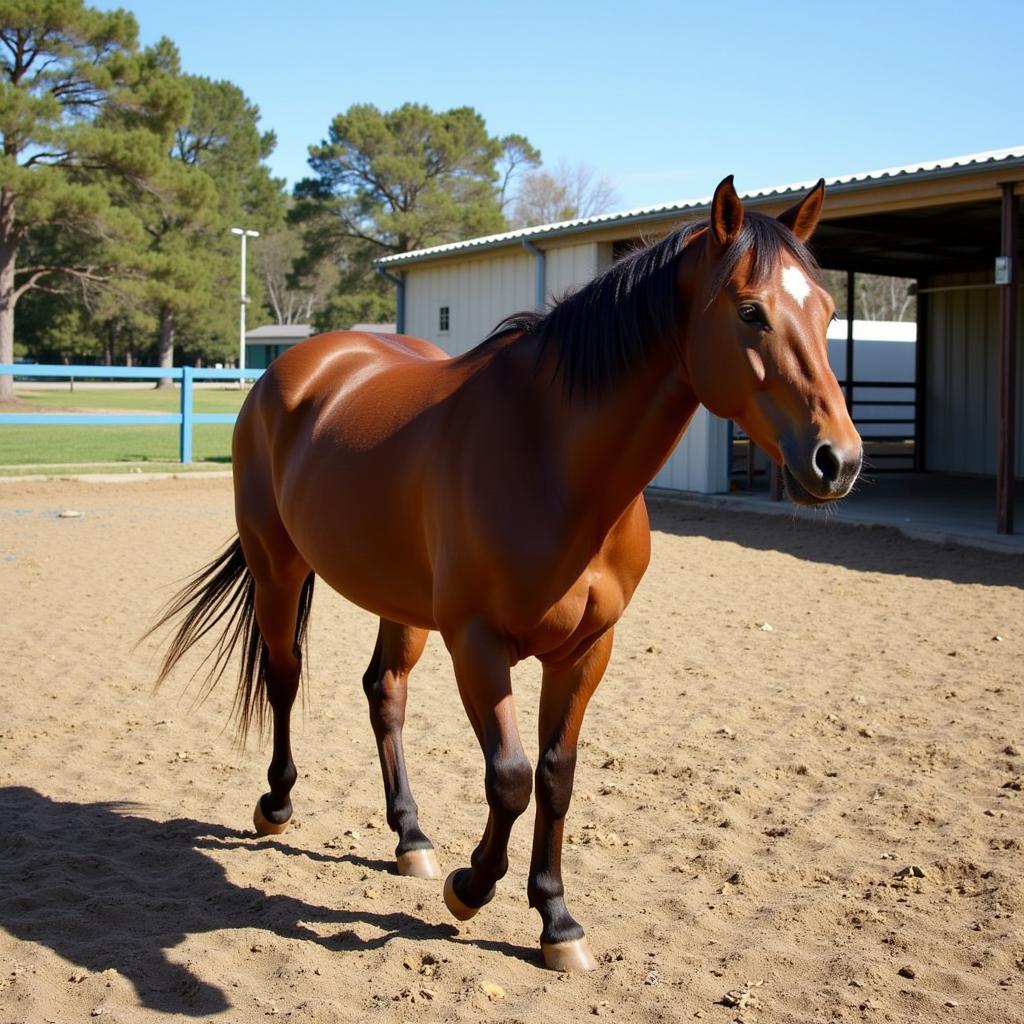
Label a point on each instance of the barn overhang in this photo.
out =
(919, 222)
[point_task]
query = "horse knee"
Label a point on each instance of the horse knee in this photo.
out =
(555, 771)
(509, 783)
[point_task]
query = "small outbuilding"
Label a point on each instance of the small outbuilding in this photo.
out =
(264, 344)
(951, 226)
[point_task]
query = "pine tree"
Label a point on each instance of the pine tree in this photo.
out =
(63, 67)
(391, 181)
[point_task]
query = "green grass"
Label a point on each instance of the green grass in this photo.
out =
(56, 445)
(51, 445)
(141, 399)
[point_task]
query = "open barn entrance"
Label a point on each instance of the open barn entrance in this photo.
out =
(874, 357)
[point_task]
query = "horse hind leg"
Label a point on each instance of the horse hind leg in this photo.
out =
(385, 684)
(281, 602)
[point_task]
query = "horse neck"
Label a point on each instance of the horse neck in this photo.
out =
(615, 443)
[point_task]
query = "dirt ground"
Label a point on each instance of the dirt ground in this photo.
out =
(800, 792)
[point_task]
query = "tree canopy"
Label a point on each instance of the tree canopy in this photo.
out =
(62, 67)
(391, 181)
(121, 177)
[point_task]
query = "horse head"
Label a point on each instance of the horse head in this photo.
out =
(756, 349)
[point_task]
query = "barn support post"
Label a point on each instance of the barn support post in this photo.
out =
(539, 274)
(1005, 455)
(398, 280)
(851, 310)
(921, 379)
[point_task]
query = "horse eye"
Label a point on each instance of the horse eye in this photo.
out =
(750, 314)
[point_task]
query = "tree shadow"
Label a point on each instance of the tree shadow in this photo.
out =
(864, 548)
(103, 887)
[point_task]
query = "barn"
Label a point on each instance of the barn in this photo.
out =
(951, 226)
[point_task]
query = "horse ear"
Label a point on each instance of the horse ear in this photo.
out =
(802, 217)
(726, 213)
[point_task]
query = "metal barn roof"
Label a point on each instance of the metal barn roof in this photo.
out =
(1012, 157)
(279, 332)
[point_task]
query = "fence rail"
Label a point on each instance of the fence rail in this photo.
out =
(186, 419)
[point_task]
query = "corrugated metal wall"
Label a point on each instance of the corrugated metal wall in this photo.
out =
(478, 293)
(962, 378)
(700, 461)
(572, 266)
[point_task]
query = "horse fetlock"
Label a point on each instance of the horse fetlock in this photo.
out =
(282, 776)
(543, 888)
(404, 822)
(461, 896)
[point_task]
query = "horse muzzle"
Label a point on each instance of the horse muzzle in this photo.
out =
(826, 473)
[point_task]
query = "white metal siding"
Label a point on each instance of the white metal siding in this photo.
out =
(478, 294)
(569, 267)
(962, 378)
(700, 460)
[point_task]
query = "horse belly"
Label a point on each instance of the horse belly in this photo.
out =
(360, 531)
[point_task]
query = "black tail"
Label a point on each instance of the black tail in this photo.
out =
(225, 590)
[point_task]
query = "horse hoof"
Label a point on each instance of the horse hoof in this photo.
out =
(573, 955)
(264, 826)
(419, 864)
(455, 905)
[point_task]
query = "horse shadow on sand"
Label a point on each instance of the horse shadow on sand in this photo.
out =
(103, 887)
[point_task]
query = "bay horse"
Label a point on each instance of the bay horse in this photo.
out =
(497, 497)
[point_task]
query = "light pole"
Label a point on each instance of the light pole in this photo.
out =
(243, 233)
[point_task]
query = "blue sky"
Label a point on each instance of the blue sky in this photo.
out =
(664, 98)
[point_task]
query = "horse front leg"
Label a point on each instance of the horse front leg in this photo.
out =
(385, 683)
(481, 661)
(565, 691)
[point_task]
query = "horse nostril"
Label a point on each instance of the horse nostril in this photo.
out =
(826, 463)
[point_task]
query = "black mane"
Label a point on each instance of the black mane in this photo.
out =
(606, 328)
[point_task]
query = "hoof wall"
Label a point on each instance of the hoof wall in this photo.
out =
(419, 864)
(264, 826)
(574, 955)
(455, 905)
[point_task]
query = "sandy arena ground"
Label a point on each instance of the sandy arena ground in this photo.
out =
(800, 784)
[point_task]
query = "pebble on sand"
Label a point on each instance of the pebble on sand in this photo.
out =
(911, 871)
(69, 513)
(493, 991)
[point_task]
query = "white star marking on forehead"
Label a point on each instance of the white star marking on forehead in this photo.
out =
(796, 283)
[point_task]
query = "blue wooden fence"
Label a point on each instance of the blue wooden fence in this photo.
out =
(185, 419)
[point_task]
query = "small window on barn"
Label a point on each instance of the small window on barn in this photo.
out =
(443, 319)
